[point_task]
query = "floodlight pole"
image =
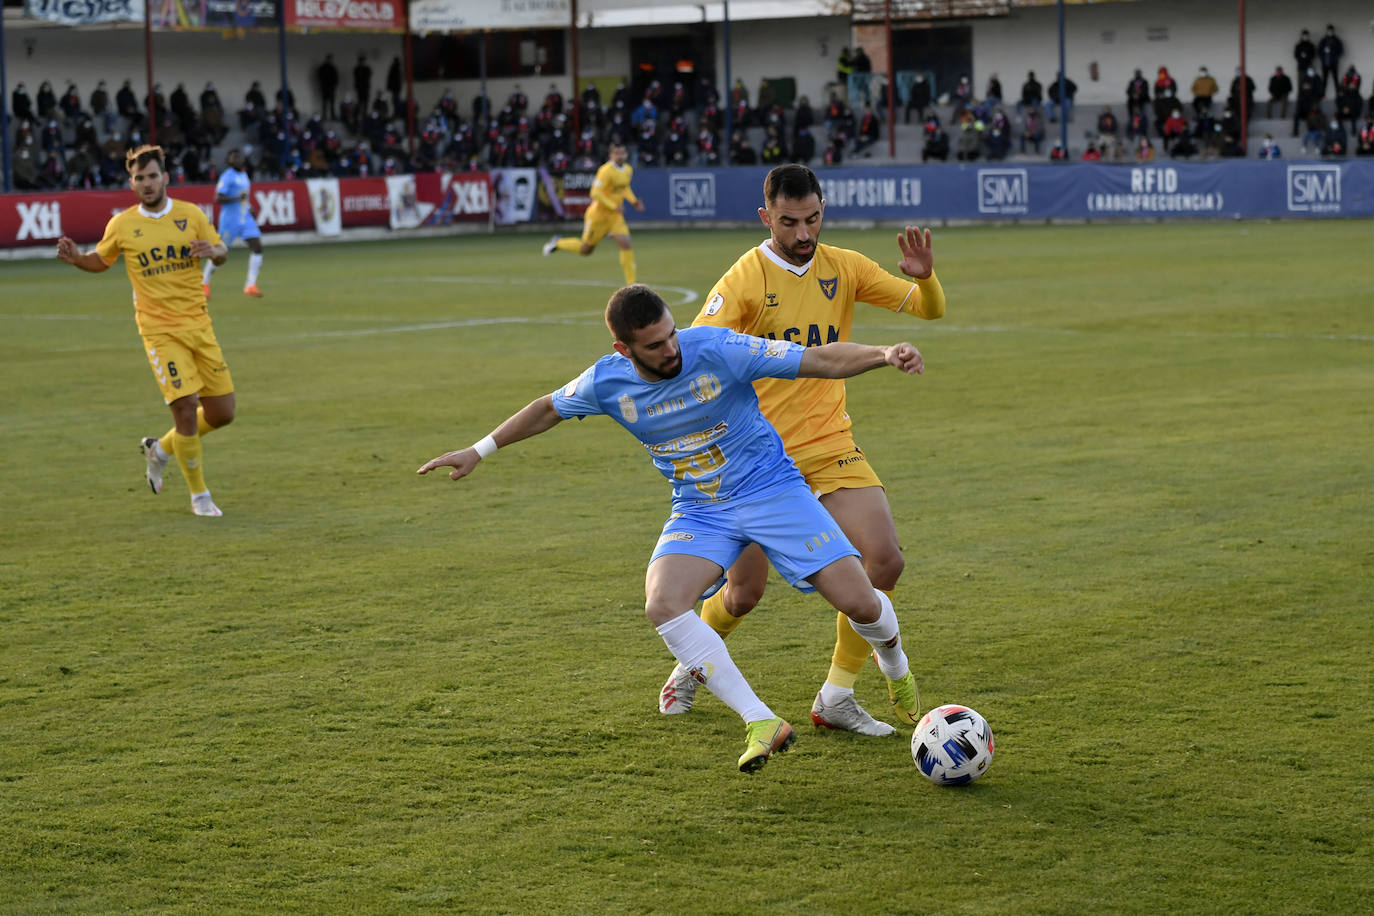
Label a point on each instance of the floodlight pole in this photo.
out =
(410, 83)
(148, 69)
(285, 92)
(574, 100)
(729, 87)
(1063, 112)
(4, 113)
(1243, 86)
(891, 85)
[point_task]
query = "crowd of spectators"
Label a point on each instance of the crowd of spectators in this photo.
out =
(67, 142)
(63, 141)
(1157, 116)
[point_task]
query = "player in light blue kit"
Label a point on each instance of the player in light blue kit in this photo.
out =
(236, 221)
(688, 398)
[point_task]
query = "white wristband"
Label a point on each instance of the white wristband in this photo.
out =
(485, 447)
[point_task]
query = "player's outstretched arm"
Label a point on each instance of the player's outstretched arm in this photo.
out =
(89, 262)
(843, 359)
(536, 417)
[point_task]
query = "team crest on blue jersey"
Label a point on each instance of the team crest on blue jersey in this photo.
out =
(627, 408)
(180, 224)
(829, 286)
(705, 387)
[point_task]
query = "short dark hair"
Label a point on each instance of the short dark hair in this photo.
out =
(793, 181)
(631, 308)
(136, 159)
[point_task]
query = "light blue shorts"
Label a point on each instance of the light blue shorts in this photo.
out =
(233, 228)
(793, 528)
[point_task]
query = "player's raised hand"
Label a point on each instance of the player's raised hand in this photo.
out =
(918, 257)
(905, 357)
(462, 461)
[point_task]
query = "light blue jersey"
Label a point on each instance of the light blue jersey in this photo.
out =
(235, 220)
(703, 428)
(733, 482)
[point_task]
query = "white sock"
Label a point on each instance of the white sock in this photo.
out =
(834, 693)
(209, 269)
(699, 648)
(885, 638)
(254, 265)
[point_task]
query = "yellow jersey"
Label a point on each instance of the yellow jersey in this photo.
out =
(157, 256)
(610, 189)
(764, 295)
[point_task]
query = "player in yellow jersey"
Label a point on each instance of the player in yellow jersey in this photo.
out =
(163, 241)
(606, 215)
(791, 287)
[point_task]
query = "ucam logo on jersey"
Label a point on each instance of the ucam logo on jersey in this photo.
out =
(1005, 192)
(276, 208)
(692, 194)
(40, 219)
(1314, 188)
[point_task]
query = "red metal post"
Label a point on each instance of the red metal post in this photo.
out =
(891, 85)
(148, 66)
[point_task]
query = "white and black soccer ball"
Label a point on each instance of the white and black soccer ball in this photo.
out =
(952, 745)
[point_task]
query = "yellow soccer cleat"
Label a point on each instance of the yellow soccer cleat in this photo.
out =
(766, 737)
(906, 699)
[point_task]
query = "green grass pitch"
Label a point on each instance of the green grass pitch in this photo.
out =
(1135, 489)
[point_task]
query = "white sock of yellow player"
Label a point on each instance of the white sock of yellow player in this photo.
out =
(209, 270)
(254, 265)
(699, 649)
(885, 637)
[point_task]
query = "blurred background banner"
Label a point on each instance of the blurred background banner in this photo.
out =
(463, 15)
(85, 12)
(367, 15)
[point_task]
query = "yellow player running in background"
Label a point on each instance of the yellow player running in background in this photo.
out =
(163, 241)
(606, 215)
(793, 288)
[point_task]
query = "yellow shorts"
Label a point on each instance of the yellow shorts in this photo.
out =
(596, 228)
(188, 362)
(841, 467)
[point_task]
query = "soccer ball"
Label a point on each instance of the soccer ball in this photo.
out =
(952, 745)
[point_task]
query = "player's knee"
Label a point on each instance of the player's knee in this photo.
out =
(586, 249)
(861, 608)
(741, 599)
(659, 612)
(884, 568)
(742, 595)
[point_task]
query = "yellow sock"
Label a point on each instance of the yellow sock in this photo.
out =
(717, 617)
(569, 244)
(627, 264)
(168, 440)
(188, 452)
